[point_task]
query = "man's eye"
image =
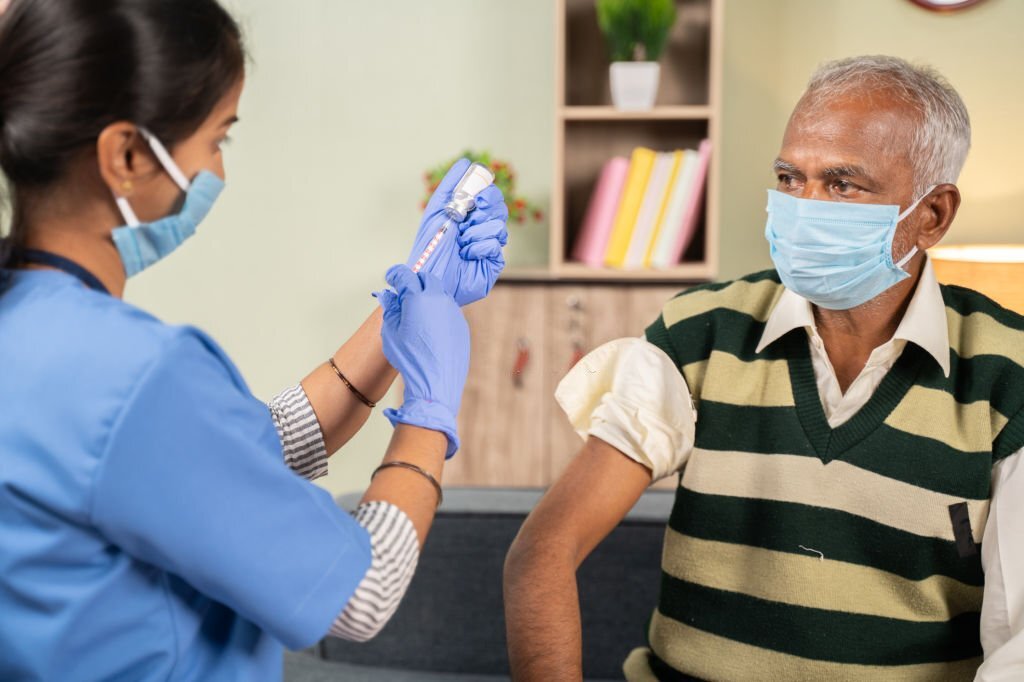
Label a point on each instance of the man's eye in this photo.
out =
(843, 187)
(785, 180)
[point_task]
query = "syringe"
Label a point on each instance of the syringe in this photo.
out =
(476, 179)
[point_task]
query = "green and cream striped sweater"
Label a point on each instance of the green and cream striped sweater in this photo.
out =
(796, 551)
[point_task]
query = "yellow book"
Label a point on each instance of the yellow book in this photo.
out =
(641, 163)
(659, 222)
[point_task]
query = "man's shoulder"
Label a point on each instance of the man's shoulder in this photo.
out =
(967, 302)
(980, 326)
(753, 295)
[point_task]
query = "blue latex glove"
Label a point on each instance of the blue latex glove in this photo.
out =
(469, 259)
(426, 339)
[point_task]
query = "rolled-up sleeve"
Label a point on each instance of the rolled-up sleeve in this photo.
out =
(192, 481)
(629, 394)
(299, 431)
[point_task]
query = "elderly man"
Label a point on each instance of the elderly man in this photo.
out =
(847, 431)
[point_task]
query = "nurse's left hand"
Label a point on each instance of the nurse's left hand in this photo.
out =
(469, 259)
(426, 338)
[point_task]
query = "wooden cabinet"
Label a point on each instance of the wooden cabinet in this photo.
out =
(513, 432)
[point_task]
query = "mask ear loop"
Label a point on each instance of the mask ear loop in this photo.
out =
(913, 252)
(910, 209)
(906, 259)
(169, 165)
(166, 160)
(130, 219)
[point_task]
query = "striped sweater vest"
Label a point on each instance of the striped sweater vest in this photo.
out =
(796, 551)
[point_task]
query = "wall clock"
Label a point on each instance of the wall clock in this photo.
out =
(945, 5)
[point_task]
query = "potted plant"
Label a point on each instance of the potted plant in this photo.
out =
(636, 32)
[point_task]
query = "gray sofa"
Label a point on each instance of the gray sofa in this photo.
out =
(450, 625)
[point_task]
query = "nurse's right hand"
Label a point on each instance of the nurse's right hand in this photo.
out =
(425, 338)
(470, 262)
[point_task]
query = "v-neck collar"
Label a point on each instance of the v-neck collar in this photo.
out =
(831, 443)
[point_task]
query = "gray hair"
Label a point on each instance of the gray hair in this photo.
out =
(942, 137)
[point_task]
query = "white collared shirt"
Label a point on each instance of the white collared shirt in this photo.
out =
(923, 324)
(629, 394)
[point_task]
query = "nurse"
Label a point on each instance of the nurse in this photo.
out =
(157, 521)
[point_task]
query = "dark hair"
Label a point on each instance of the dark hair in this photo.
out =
(69, 68)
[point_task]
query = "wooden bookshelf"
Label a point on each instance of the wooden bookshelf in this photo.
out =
(513, 432)
(589, 131)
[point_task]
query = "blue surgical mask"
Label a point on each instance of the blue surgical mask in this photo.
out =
(143, 244)
(837, 255)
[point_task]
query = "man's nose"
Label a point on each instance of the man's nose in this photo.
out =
(813, 189)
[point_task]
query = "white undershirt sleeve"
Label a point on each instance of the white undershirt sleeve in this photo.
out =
(1002, 558)
(629, 394)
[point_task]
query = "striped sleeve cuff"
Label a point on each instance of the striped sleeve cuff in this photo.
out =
(299, 431)
(395, 553)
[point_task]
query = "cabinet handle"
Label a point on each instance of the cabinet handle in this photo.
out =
(576, 312)
(522, 361)
(577, 354)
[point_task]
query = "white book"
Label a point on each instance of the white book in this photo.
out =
(672, 223)
(646, 218)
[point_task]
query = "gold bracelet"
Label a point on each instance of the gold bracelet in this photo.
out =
(355, 391)
(419, 470)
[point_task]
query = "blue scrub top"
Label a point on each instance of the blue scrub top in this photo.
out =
(149, 528)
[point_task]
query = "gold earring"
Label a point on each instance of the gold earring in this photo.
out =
(126, 186)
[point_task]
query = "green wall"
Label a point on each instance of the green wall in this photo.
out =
(348, 103)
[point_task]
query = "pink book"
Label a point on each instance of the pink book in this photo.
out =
(600, 216)
(693, 204)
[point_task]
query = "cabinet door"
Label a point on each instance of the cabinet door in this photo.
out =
(500, 423)
(513, 433)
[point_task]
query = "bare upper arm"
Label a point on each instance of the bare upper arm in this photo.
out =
(587, 502)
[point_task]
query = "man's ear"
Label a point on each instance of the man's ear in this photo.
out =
(121, 154)
(940, 207)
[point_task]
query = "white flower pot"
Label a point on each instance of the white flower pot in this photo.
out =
(634, 84)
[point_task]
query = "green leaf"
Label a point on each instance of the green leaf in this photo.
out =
(635, 27)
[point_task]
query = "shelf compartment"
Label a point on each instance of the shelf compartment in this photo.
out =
(685, 63)
(589, 144)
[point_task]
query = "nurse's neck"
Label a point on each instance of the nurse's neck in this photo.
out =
(75, 220)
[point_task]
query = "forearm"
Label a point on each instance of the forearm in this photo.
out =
(542, 612)
(541, 599)
(408, 490)
(361, 359)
